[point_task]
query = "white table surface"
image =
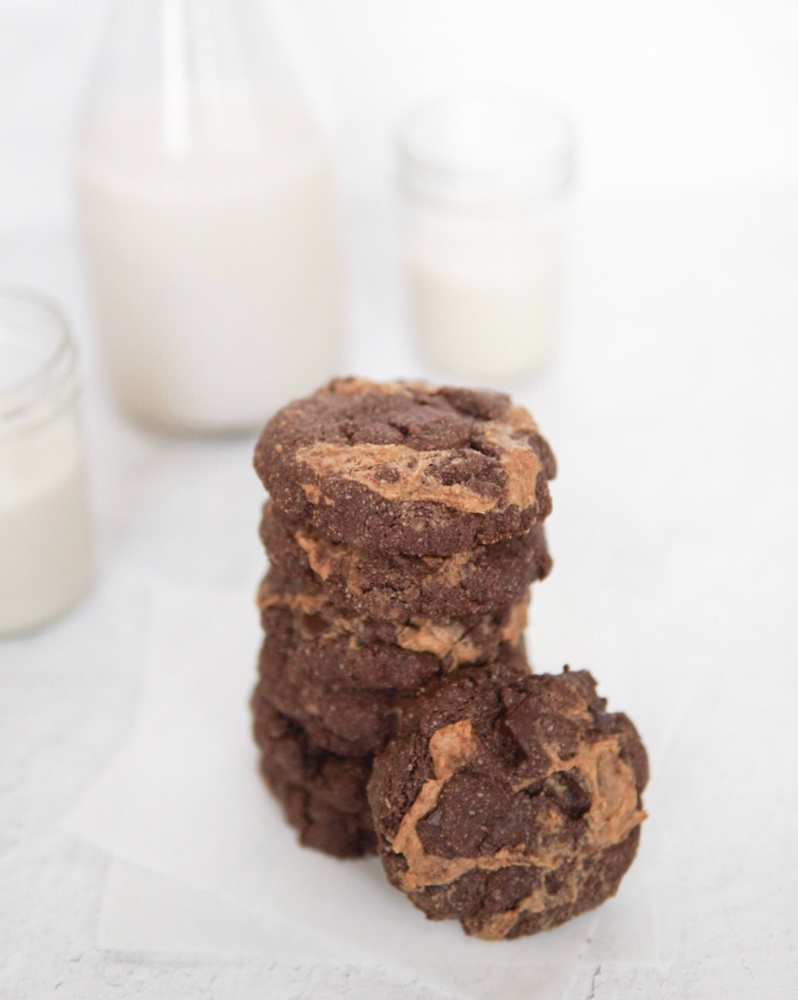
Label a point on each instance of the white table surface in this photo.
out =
(672, 409)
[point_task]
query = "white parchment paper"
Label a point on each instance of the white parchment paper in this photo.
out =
(183, 801)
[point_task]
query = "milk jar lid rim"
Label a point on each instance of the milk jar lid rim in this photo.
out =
(468, 148)
(50, 385)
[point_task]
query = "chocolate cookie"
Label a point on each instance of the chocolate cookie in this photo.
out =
(347, 722)
(333, 647)
(322, 795)
(407, 468)
(340, 716)
(394, 587)
(511, 805)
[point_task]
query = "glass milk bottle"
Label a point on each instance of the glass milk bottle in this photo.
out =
(208, 214)
(45, 549)
(484, 182)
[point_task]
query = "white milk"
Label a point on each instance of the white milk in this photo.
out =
(484, 180)
(45, 550)
(486, 296)
(211, 237)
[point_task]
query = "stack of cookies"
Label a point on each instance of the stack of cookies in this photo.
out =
(395, 708)
(403, 532)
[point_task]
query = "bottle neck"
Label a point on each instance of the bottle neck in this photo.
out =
(179, 54)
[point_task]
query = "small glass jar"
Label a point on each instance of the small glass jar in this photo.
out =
(45, 551)
(484, 182)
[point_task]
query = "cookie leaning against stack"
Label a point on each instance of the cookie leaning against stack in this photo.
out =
(404, 531)
(509, 803)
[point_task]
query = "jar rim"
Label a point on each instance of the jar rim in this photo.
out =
(50, 385)
(491, 147)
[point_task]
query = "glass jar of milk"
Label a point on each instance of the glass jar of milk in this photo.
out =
(484, 182)
(45, 559)
(208, 213)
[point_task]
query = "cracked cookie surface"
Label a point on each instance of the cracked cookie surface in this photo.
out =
(509, 804)
(338, 715)
(322, 795)
(405, 467)
(357, 651)
(395, 587)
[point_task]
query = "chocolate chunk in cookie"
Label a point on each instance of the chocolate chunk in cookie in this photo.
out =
(323, 796)
(509, 804)
(335, 647)
(407, 468)
(394, 587)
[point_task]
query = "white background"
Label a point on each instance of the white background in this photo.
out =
(700, 94)
(671, 408)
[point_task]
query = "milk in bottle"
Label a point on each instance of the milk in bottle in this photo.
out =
(207, 207)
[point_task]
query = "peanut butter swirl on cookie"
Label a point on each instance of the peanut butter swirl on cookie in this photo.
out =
(396, 587)
(521, 807)
(406, 467)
